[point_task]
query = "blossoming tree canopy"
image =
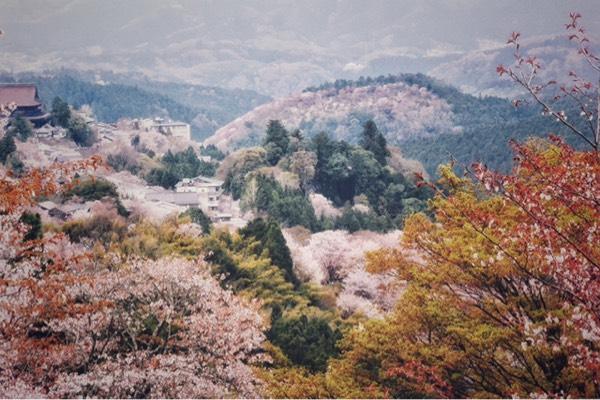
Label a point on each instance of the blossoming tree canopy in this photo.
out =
(71, 327)
(507, 289)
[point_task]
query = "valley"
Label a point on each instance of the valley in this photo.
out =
(326, 199)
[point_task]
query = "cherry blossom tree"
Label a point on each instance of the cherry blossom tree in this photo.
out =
(551, 95)
(74, 327)
(338, 258)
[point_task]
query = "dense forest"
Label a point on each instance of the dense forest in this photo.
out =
(287, 176)
(428, 120)
(488, 124)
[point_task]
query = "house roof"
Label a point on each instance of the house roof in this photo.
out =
(22, 94)
(181, 199)
(199, 180)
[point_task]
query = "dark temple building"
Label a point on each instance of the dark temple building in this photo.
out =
(27, 101)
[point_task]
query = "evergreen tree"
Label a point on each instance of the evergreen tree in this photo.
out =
(296, 142)
(7, 147)
(372, 140)
(21, 128)
(212, 151)
(35, 223)
(161, 177)
(199, 217)
(61, 114)
(81, 133)
(307, 342)
(279, 252)
(276, 141)
(271, 239)
(135, 142)
(14, 163)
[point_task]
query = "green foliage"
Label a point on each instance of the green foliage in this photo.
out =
(198, 217)
(161, 177)
(338, 170)
(309, 342)
(352, 220)
(151, 240)
(276, 141)
(487, 124)
(288, 207)
(297, 141)
(96, 189)
(178, 166)
(344, 171)
(93, 189)
(186, 164)
(269, 235)
(373, 141)
(61, 113)
(257, 264)
(243, 162)
(80, 132)
(212, 151)
(128, 97)
(103, 228)
(248, 270)
(35, 226)
(15, 164)
(21, 128)
(7, 147)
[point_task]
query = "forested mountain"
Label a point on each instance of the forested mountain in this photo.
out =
(363, 238)
(429, 120)
(114, 96)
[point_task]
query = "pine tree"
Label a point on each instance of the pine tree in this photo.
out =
(372, 140)
(271, 239)
(21, 128)
(276, 141)
(61, 114)
(279, 252)
(7, 147)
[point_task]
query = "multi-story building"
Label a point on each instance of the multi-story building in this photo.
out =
(209, 191)
(202, 192)
(26, 100)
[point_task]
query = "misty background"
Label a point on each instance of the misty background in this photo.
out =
(279, 47)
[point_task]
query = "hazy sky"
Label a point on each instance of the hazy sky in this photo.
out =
(244, 43)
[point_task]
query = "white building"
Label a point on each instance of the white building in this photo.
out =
(202, 192)
(175, 129)
(167, 128)
(50, 132)
(208, 189)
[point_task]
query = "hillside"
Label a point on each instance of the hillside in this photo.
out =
(431, 121)
(399, 108)
(114, 96)
(475, 72)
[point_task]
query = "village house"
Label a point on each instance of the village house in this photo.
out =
(28, 105)
(202, 192)
(166, 127)
(51, 132)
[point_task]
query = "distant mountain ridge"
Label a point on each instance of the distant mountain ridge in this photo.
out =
(114, 96)
(429, 120)
(400, 108)
(475, 72)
